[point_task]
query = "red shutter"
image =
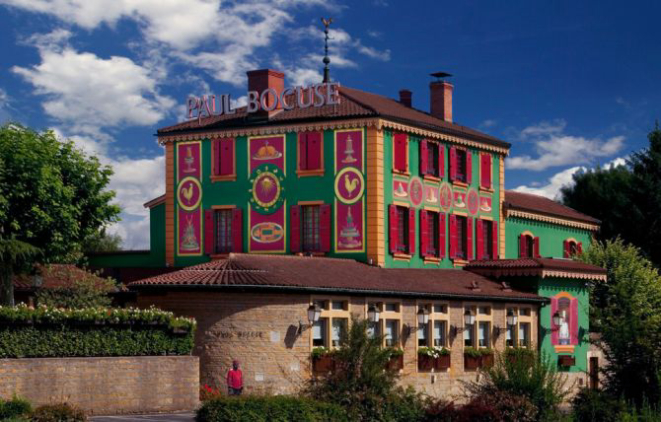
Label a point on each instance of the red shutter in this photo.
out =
(453, 163)
(485, 170)
(392, 211)
(479, 235)
(494, 239)
(325, 227)
(573, 322)
(423, 157)
(237, 230)
(554, 328)
(314, 150)
(469, 239)
(441, 161)
(400, 151)
(215, 156)
(489, 171)
(441, 235)
(535, 247)
(226, 156)
(303, 151)
(469, 167)
(295, 228)
(424, 232)
(579, 248)
(411, 231)
(453, 236)
(208, 232)
(566, 251)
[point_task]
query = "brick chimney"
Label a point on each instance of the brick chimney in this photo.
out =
(260, 81)
(405, 97)
(440, 99)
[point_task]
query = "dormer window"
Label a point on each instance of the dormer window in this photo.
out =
(528, 246)
(460, 165)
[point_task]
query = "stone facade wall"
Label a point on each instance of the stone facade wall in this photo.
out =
(105, 385)
(261, 330)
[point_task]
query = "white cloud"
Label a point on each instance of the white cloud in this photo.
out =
(555, 148)
(4, 106)
(88, 93)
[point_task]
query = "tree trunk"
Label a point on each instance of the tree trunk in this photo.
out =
(6, 287)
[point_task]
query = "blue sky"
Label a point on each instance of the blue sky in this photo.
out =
(569, 84)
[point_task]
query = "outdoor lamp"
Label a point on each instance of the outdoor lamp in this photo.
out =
(313, 314)
(423, 316)
(511, 317)
(469, 318)
(373, 313)
(557, 319)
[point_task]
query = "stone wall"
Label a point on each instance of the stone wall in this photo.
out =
(261, 330)
(105, 385)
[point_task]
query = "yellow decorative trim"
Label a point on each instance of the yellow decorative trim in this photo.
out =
(564, 349)
(459, 262)
(433, 179)
(402, 257)
(310, 203)
(460, 213)
(224, 178)
(375, 202)
(528, 233)
(459, 184)
(431, 260)
(401, 204)
(223, 207)
(488, 190)
(501, 211)
(552, 220)
(567, 274)
(309, 173)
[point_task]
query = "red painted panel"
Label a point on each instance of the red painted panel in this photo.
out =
(392, 211)
(453, 163)
(295, 228)
(554, 328)
(566, 249)
(314, 150)
(423, 157)
(441, 234)
(303, 151)
(237, 230)
(401, 144)
(469, 167)
(573, 322)
(494, 237)
(523, 247)
(469, 238)
(215, 154)
(411, 231)
(424, 232)
(480, 239)
(325, 227)
(441, 161)
(208, 232)
(453, 236)
(535, 247)
(226, 156)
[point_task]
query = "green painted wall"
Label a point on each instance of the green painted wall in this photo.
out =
(551, 236)
(550, 287)
(414, 169)
(311, 188)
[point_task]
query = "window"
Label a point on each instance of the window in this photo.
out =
(431, 159)
(400, 153)
(401, 237)
(430, 234)
(391, 333)
(311, 241)
(423, 341)
(389, 321)
(484, 330)
(439, 333)
(333, 322)
(485, 239)
(402, 230)
(310, 153)
(435, 333)
(571, 248)
(520, 333)
(462, 244)
(528, 245)
(485, 171)
(223, 231)
(479, 333)
(460, 165)
(524, 334)
(461, 237)
(222, 163)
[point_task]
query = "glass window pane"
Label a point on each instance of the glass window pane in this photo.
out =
(339, 328)
(338, 305)
(440, 309)
(392, 307)
(422, 336)
(524, 334)
(392, 333)
(469, 336)
(484, 310)
(439, 333)
(483, 334)
(510, 340)
(319, 333)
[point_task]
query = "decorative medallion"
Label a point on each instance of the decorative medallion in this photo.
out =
(189, 193)
(416, 191)
(349, 185)
(485, 204)
(473, 202)
(267, 232)
(400, 189)
(446, 197)
(267, 189)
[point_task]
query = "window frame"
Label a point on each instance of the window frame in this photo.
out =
(330, 314)
(461, 163)
(462, 240)
(403, 248)
(433, 316)
(385, 315)
(215, 161)
(479, 317)
(309, 172)
(217, 249)
(521, 318)
(487, 238)
(307, 206)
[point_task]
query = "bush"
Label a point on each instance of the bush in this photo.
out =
(77, 288)
(268, 409)
(500, 407)
(590, 405)
(50, 332)
(14, 408)
(63, 412)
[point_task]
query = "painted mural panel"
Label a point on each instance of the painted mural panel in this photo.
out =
(431, 195)
(349, 192)
(564, 336)
(446, 197)
(189, 198)
(486, 204)
(416, 191)
(472, 202)
(267, 205)
(400, 189)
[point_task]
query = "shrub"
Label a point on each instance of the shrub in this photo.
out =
(590, 405)
(77, 288)
(208, 393)
(14, 408)
(267, 409)
(433, 352)
(62, 412)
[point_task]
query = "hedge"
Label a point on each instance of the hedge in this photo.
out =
(51, 332)
(269, 409)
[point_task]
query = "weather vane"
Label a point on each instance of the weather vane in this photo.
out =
(326, 23)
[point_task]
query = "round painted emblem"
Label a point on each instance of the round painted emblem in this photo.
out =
(349, 185)
(189, 193)
(267, 232)
(473, 202)
(446, 197)
(416, 191)
(266, 189)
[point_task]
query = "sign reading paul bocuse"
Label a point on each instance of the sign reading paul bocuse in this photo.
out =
(313, 96)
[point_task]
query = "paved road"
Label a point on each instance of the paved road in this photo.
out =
(171, 417)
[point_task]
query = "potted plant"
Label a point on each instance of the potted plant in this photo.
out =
(322, 359)
(486, 360)
(472, 358)
(396, 361)
(520, 354)
(566, 360)
(433, 357)
(443, 360)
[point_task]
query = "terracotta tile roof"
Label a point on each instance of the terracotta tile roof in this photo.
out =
(51, 276)
(539, 204)
(334, 275)
(540, 267)
(354, 103)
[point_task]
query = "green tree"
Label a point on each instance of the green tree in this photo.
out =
(102, 241)
(624, 311)
(52, 197)
(76, 288)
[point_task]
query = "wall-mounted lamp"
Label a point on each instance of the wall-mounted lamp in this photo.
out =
(423, 316)
(469, 318)
(314, 312)
(511, 317)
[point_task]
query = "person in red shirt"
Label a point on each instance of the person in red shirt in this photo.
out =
(235, 380)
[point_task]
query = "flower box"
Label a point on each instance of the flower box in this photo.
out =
(442, 362)
(566, 360)
(395, 363)
(323, 364)
(425, 363)
(486, 361)
(472, 363)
